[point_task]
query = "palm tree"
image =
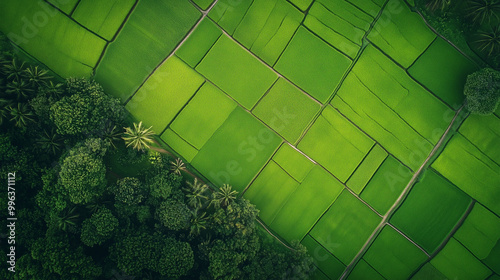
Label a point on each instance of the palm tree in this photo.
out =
(53, 90)
(21, 115)
(481, 11)
(66, 219)
(36, 77)
(177, 166)
(434, 5)
(196, 194)
(224, 196)
(489, 40)
(50, 141)
(19, 88)
(138, 137)
(111, 134)
(198, 223)
(14, 70)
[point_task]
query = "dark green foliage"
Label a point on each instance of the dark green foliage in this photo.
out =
(488, 41)
(174, 215)
(129, 191)
(21, 115)
(65, 220)
(50, 141)
(30, 227)
(482, 91)
(56, 255)
(143, 213)
(144, 251)
(483, 11)
(83, 172)
(87, 110)
(176, 259)
(196, 194)
(438, 5)
(99, 227)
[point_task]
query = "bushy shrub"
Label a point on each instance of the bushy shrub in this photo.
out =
(482, 91)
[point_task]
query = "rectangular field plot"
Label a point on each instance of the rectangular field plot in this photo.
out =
(237, 72)
(386, 185)
(443, 70)
(484, 133)
(366, 169)
(164, 94)
(179, 145)
(305, 206)
(308, 62)
(50, 36)
(293, 162)
(236, 151)
(400, 33)
(472, 170)
(431, 210)
(267, 27)
(324, 260)
(199, 42)
(480, 231)
(150, 34)
(287, 110)
(339, 23)
(429, 272)
(363, 271)
(455, 262)
(103, 17)
(397, 112)
(198, 121)
(270, 191)
(336, 144)
(371, 7)
(67, 6)
(302, 4)
(229, 13)
(394, 256)
(345, 227)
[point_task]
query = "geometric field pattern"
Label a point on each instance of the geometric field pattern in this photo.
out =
(319, 112)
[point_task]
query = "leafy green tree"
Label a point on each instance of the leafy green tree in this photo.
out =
(143, 213)
(129, 191)
(86, 110)
(174, 215)
(138, 252)
(176, 259)
(163, 184)
(111, 135)
(99, 227)
(83, 172)
(57, 256)
(138, 137)
(482, 91)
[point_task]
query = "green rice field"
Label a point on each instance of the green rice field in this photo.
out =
(328, 115)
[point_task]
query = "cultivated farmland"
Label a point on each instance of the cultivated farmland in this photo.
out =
(342, 121)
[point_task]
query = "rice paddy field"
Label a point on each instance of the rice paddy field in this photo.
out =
(341, 120)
